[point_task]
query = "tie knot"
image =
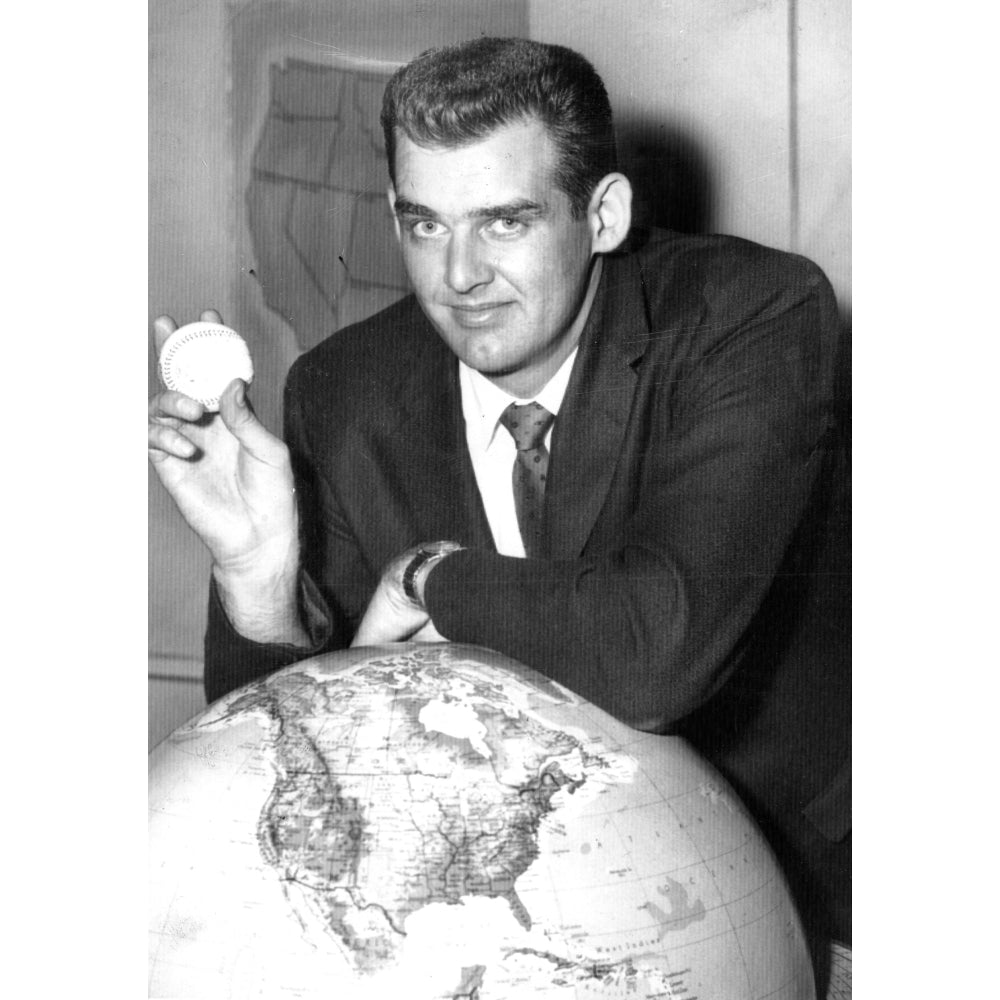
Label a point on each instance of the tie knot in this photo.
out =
(527, 424)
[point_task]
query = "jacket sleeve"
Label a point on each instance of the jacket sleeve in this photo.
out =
(648, 628)
(232, 660)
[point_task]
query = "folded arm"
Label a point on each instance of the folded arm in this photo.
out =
(647, 625)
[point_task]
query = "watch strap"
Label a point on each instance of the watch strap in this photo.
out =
(425, 556)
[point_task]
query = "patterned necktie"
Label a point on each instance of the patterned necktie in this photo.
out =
(527, 426)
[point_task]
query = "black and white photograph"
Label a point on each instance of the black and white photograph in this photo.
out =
(500, 499)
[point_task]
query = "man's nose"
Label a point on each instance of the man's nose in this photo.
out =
(468, 265)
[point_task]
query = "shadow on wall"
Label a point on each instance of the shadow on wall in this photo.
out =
(323, 241)
(672, 186)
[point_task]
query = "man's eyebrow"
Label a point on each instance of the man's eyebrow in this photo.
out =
(518, 207)
(403, 207)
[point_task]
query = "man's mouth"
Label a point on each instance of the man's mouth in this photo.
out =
(477, 315)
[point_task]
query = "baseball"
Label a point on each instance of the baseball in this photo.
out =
(201, 359)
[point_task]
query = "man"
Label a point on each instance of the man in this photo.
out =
(653, 546)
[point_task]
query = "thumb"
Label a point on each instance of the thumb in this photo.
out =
(242, 422)
(163, 326)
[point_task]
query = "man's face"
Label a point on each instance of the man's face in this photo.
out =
(496, 258)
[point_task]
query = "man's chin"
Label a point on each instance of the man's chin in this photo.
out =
(492, 368)
(483, 351)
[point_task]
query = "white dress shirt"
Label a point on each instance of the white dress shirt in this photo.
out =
(492, 449)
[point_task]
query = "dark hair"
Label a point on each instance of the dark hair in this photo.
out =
(460, 94)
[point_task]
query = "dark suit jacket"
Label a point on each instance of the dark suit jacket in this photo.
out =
(687, 502)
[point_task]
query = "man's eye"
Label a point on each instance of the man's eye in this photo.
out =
(425, 227)
(506, 226)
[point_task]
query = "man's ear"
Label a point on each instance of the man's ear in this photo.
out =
(610, 213)
(391, 193)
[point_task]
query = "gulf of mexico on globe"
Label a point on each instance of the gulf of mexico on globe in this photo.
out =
(439, 821)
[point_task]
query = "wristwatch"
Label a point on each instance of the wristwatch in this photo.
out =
(415, 573)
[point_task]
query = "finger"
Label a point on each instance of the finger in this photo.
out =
(163, 326)
(211, 316)
(172, 404)
(165, 441)
(238, 416)
(388, 618)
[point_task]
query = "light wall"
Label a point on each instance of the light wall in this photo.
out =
(722, 89)
(192, 259)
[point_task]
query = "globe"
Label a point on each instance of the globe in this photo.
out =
(440, 821)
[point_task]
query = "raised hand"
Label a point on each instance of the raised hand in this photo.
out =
(232, 481)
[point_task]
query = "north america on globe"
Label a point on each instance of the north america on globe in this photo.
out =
(434, 820)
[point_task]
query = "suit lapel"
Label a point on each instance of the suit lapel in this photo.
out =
(438, 488)
(589, 433)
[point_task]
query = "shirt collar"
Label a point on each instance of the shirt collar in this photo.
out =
(483, 402)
